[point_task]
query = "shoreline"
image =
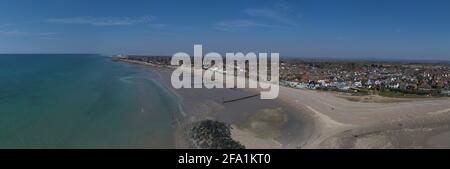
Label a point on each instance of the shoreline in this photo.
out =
(245, 114)
(180, 133)
(313, 119)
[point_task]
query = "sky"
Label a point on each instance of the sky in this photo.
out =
(398, 29)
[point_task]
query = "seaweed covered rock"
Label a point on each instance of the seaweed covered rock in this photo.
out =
(211, 134)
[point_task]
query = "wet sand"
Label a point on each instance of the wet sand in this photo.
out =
(252, 119)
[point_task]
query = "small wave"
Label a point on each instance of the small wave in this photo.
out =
(133, 80)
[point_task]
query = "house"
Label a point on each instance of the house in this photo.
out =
(358, 84)
(394, 86)
(445, 92)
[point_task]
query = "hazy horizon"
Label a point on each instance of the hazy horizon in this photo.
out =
(405, 60)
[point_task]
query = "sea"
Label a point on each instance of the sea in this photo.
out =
(82, 101)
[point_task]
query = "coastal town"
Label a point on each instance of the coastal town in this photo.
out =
(385, 78)
(390, 79)
(334, 97)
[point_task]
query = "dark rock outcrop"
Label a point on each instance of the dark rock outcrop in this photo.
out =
(211, 134)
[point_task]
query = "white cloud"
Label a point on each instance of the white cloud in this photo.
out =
(280, 15)
(26, 34)
(239, 25)
(271, 14)
(5, 25)
(11, 32)
(103, 21)
(47, 33)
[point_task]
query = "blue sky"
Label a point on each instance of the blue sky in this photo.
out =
(403, 29)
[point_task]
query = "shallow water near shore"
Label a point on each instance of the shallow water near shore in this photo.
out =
(82, 101)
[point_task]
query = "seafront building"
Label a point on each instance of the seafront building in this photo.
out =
(403, 78)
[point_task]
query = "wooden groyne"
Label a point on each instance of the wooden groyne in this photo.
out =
(242, 98)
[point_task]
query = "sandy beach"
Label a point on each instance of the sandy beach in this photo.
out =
(381, 123)
(311, 119)
(256, 123)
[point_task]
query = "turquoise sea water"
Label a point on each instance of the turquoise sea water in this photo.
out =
(82, 101)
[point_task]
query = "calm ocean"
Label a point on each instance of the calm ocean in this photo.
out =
(82, 101)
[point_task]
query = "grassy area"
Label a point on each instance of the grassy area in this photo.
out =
(389, 93)
(363, 92)
(384, 93)
(397, 94)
